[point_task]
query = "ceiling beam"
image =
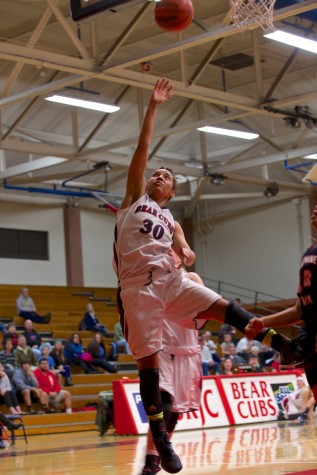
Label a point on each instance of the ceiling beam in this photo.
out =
(31, 166)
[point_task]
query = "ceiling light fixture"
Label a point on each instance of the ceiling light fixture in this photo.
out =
(293, 40)
(312, 156)
(229, 132)
(79, 97)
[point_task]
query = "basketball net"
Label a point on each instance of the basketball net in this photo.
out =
(247, 12)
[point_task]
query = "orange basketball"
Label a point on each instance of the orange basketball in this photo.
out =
(174, 15)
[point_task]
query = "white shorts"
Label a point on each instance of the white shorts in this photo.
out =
(172, 297)
(184, 390)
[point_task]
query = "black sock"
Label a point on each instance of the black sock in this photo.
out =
(152, 401)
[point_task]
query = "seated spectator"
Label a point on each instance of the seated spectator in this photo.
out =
(11, 334)
(98, 352)
(225, 329)
(299, 404)
(26, 308)
(207, 361)
(244, 347)
(24, 353)
(33, 339)
(226, 345)
(210, 343)
(49, 384)
(235, 358)
(75, 355)
(8, 359)
(58, 356)
(92, 323)
(227, 366)
(255, 363)
(121, 344)
(27, 388)
(7, 395)
(45, 353)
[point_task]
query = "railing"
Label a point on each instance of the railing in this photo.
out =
(253, 299)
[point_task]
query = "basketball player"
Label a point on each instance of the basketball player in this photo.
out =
(151, 289)
(180, 376)
(304, 311)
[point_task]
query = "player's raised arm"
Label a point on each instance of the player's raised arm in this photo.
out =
(136, 182)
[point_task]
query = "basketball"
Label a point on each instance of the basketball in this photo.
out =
(174, 15)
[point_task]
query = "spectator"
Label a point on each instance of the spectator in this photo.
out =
(226, 345)
(28, 391)
(8, 359)
(74, 354)
(227, 366)
(49, 384)
(121, 344)
(235, 358)
(33, 339)
(24, 353)
(299, 404)
(26, 308)
(244, 347)
(96, 349)
(11, 334)
(255, 363)
(7, 395)
(92, 323)
(45, 353)
(58, 356)
(210, 343)
(207, 361)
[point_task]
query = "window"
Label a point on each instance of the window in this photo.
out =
(21, 244)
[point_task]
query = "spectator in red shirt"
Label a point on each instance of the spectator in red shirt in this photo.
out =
(49, 384)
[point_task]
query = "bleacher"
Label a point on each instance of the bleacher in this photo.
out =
(67, 305)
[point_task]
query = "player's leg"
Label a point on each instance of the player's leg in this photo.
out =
(153, 406)
(152, 458)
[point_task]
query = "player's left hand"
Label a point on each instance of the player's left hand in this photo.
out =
(254, 327)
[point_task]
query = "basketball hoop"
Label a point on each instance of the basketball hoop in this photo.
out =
(247, 12)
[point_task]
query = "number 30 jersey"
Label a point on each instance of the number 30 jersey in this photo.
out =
(144, 235)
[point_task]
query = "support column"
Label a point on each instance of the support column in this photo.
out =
(73, 247)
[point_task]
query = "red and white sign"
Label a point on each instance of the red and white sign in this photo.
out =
(225, 401)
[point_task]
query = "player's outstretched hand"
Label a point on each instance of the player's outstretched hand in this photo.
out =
(254, 327)
(162, 91)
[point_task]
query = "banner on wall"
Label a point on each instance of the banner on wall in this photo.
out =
(225, 401)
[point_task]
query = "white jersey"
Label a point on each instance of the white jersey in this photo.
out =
(180, 367)
(148, 235)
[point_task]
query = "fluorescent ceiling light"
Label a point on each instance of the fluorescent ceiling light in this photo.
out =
(82, 98)
(229, 132)
(312, 156)
(293, 40)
